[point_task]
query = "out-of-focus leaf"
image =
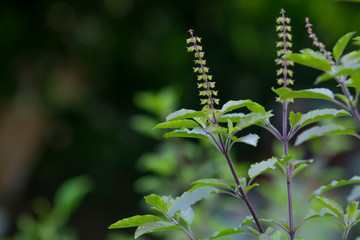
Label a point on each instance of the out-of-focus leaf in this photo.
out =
(341, 44)
(188, 215)
(184, 113)
(246, 220)
(319, 131)
(310, 59)
(154, 227)
(227, 232)
(194, 133)
(259, 168)
(134, 221)
(332, 205)
(69, 196)
(324, 212)
(190, 197)
(183, 123)
(214, 182)
(335, 184)
(354, 194)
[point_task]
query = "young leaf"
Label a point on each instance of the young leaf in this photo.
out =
(184, 123)
(248, 188)
(351, 211)
(194, 133)
(188, 215)
(232, 105)
(354, 82)
(214, 182)
(324, 212)
(311, 60)
(227, 232)
(189, 198)
(184, 113)
(246, 220)
(251, 119)
(250, 139)
(259, 168)
(321, 114)
(294, 118)
(154, 227)
(134, 221)
(234, 117)
(354, 194)
(319, 131)
(341, 44)
(335, 184)
(332, 205)
(317, 93)
(351, 58)
(157, 202)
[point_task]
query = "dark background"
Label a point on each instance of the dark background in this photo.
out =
(69, 71)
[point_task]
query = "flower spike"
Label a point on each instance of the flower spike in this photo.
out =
(206, 87)
(317, 43)
(284, 33)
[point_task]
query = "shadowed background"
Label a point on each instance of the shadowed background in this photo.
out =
(69, 71)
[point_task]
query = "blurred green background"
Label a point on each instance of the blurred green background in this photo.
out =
(70, 71)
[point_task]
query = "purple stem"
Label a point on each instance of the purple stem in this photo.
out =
(285, 139)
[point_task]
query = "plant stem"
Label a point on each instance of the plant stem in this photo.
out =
(189, 235)
(353, 108)
(288, 172)
(242, 192)
(345, 234)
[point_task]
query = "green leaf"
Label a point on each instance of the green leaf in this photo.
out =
(157, 202)
(194, 133)
(317, 93)
(246, 220)
(189, 198)
(294, 118)
(348, 0)
(178, 124)
(341, 44)
(332, 205)
(339, 71)
(319, 131)
(354, 81)
(250, 139)
(298, 169)
(232, 105)
(335, 184)
(343, 98)
(184, 113)
(311, 59)
(248, 188)
(134, 221)
(214, 182)
(351, 58)
(351, 211)
(227, 232)
(278, 235)
(154, 227)
(188, 215)
(324, 212)
(234, 117)
(259, 168)
(354, 194)
(321, 114)
(251, 119)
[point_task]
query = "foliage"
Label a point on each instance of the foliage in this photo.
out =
(220, 126)
(51, 220)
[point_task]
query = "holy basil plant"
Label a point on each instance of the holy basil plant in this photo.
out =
(223, 125)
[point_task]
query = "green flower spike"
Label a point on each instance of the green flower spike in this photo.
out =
(284, 47)
(206, 86)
